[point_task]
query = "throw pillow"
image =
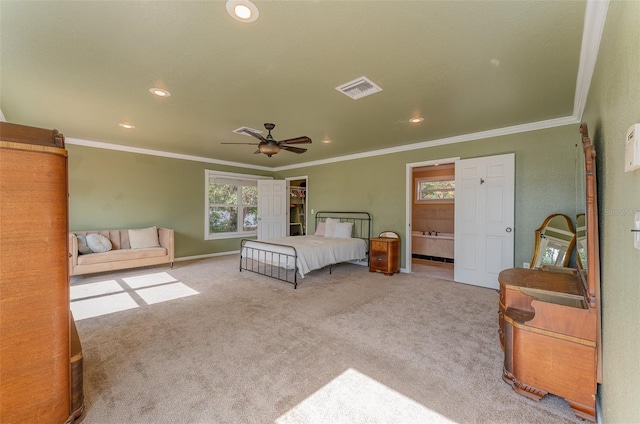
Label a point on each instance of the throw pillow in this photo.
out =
(144, 237)
(343, 230)
(83, 247)
(320, 230)
(330, 227)
(98, 243)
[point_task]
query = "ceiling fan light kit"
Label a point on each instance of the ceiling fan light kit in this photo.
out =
(268, 149)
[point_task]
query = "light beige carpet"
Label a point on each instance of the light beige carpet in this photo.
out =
(351, 347)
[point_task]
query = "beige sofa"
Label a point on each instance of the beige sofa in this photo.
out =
(122, 256)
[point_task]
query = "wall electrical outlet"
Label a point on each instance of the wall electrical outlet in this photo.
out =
(526, 265)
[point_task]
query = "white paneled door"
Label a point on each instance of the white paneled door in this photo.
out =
(484, 219)
(272, 208)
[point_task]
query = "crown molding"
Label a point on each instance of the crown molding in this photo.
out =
(129, 149)
(516, 129)
(594, 19)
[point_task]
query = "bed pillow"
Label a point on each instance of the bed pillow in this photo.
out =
(83, 247)
(144, 237)
(343, 230)
(320, 230)
(330, 227)
(98, 243)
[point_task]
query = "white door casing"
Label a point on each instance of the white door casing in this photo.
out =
(272, 209)
(484, 219)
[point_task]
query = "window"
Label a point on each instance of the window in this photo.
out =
(231, 205)
(435, 190)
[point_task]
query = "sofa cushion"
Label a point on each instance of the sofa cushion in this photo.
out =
(83, 247)
(144, 237)
(121, 255)
(98, 243)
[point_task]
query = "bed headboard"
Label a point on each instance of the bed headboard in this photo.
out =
(361, 222)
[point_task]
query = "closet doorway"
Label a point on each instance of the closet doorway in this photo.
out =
(298, 202)
(430, 218)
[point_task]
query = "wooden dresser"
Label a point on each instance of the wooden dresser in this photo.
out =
(35, 346)
(548, 334)
(384, 253)
(550, 319)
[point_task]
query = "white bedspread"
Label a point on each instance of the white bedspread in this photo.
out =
(313, 252)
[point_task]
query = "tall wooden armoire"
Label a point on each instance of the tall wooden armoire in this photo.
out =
(35, 380)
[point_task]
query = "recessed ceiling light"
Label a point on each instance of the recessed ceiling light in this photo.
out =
(242, 10)
(159, 92)
(326, 141)
(416, 119)
(127, 125)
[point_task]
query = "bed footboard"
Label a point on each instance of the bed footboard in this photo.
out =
(270, 259)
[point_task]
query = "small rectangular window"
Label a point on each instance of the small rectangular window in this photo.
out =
(435, 190)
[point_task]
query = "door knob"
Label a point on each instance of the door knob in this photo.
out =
(508, 229)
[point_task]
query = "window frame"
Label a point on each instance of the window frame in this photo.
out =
(418, 191)
(209, 178)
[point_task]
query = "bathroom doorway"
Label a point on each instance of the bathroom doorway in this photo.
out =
(430, 220)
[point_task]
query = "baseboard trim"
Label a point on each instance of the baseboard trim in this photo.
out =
(598, 408)
(208, 255)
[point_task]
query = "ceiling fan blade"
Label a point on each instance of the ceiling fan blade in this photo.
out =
(297, 140)
(252, 144)
(257, 152)
(293, 149)
(256, 135)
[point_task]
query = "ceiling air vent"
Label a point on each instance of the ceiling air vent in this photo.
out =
(242, 129)
(358, 88)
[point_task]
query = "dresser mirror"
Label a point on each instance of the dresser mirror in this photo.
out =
(581, 241)
(554, 242)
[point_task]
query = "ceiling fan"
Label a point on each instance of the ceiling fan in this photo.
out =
(269, 146)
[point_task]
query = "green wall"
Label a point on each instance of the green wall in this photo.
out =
(545, 181)
(111, 189)
(613, 105)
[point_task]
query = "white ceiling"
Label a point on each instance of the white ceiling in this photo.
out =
(466, 67)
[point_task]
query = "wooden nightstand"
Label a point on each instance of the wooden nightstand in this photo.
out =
(384, 253)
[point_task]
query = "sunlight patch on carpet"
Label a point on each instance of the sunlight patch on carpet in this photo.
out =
(165, 292)
(149, 280)
(102, 305)
(106, 297)
(353, 397)
(95, 289)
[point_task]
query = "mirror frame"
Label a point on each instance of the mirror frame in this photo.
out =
(539, 233)
(591, 276)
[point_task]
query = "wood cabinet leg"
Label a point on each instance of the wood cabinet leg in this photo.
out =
(584, 412)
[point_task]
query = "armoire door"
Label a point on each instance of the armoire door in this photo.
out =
(34, 280)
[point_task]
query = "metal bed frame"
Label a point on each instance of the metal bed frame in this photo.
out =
(250, 255)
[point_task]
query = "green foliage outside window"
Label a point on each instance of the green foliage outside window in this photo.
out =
(225, 208)
(436, 190)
